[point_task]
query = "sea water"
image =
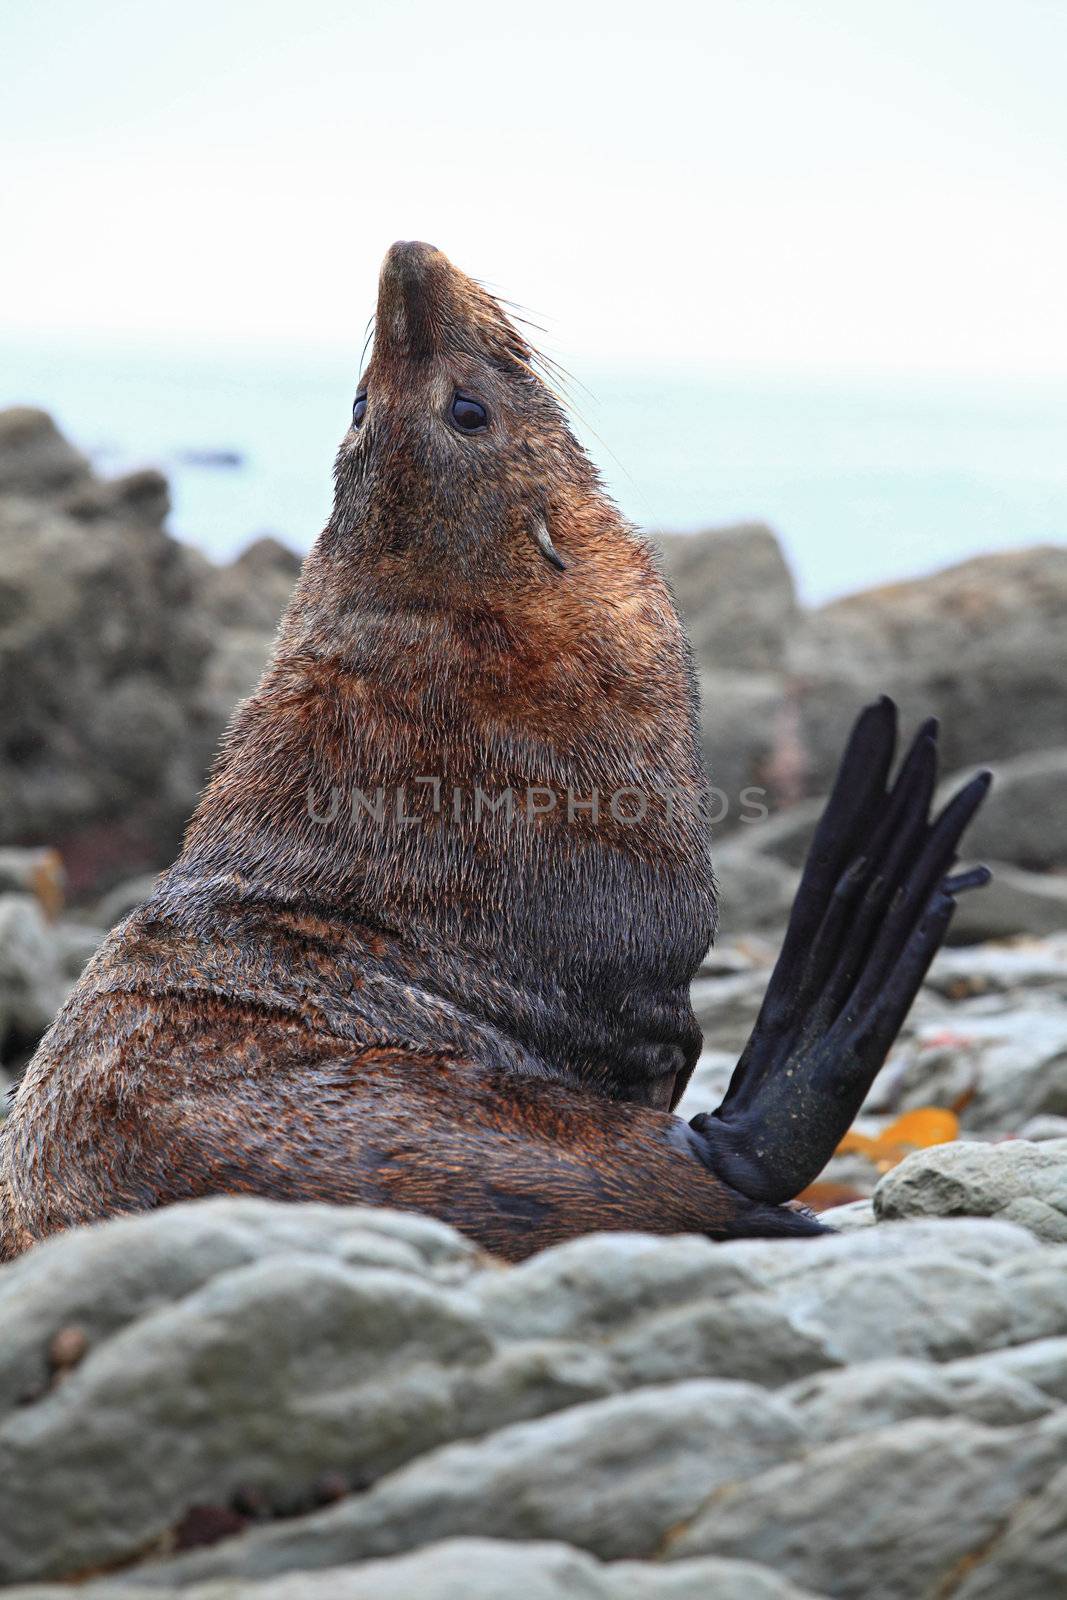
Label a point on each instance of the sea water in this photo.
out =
(865, 481)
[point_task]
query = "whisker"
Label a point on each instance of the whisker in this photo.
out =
(368, 337)
(557, 379)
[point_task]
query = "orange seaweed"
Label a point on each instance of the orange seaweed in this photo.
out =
(914, 1130)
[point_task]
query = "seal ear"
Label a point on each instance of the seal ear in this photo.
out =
(543, 540)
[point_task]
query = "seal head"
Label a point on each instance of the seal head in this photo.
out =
(456, 436)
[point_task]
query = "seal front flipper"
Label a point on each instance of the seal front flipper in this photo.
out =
(874, 904)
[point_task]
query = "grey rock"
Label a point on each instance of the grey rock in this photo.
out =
(1015, 902)
(1039, 1128)
(1000, 968)
(36, 872)
(847, 1218)
(253, 590)
(141, 497)
(105, 1278)
(973, 1241)
(710, 1579)
(757, 890)
(1041, 1364)
(244, 600)
(786, 835)
(727, 1007)
(756, 1337)
(1028, 1561)
(927, 1305)
(980, 645)
(595, 1287)
(1024, 818)
(476, 1569)
(763, 864)
(602, 1393)
(874, 1394)
(899, 1512)
(736, 594)
(529, 1379)
(1008, 1063)
(730, 956)
(100, 629)
(33, 983)
(270, 1376)
(613, 1477)
(124, 898)
(1036, 1284)
(748, 748)
(35, 459)
(76, 943)
(739, 603)
(232, 672)
(660, 1308)
(1018, 1181)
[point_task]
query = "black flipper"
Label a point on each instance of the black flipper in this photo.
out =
(873, 906)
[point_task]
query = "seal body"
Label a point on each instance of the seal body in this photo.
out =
(430, 938)
(452, 858)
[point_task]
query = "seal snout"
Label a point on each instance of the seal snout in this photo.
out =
(413, 276)
(408, 253)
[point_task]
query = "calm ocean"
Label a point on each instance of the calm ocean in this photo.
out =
(864, 482)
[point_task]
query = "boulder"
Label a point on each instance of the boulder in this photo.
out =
(846, 1218)
(1039, 1128)
(35, 459)
(899, 1512)
(129, 651)
(237, 1389)
(252, 590)
(1024, 817)
(979, 645)
(33, 981)
(613, 1477)
(100, 631)
(1028, 1559)
(37, 872)
(1016, 902)
(756, 890)
(750, 748)
(1000, 968)
(75, 943)
(477, 1569)
(736, 593)
(1001, 1059)
(874, 1394)
(1016, 1180)
(244, 601)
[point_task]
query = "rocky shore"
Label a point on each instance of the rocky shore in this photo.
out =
(239, 1400)
(243, 1399)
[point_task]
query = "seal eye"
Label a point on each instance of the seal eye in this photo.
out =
(359, 410)
(470, 416)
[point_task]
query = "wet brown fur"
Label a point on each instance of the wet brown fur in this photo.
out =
(483, 1019)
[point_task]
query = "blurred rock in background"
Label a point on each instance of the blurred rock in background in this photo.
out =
(103, 645)
(981, 646)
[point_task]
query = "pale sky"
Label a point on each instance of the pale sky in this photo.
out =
(839, 184)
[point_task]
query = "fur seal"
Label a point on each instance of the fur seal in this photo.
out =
(372, 977)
